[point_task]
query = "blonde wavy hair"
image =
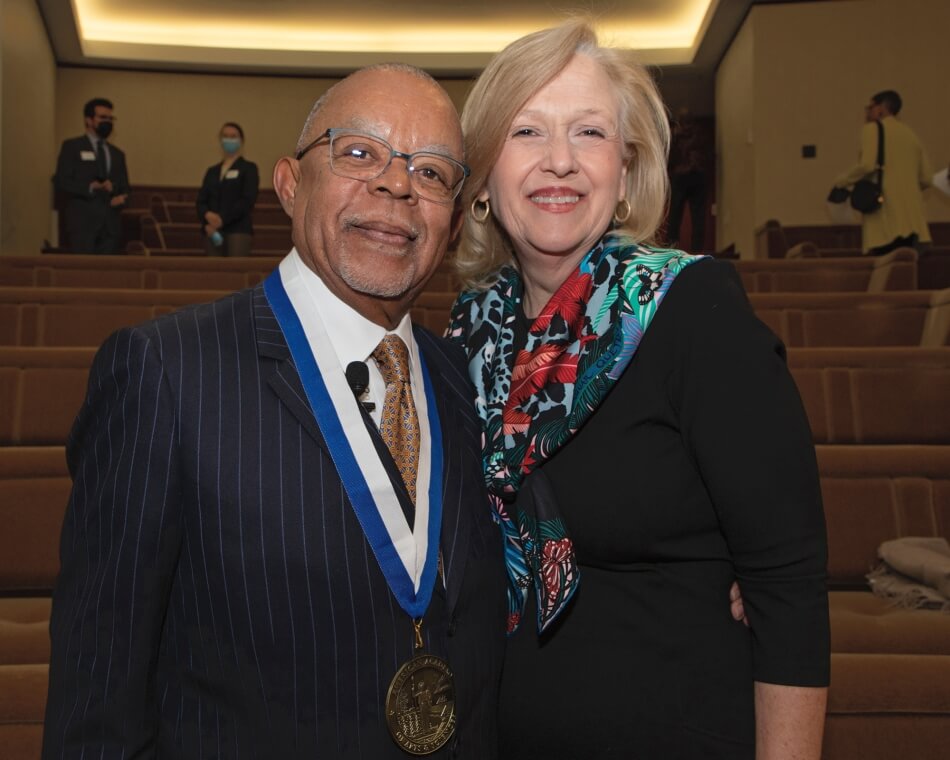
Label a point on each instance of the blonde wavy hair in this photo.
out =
(512, 78)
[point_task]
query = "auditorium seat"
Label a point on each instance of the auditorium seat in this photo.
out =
(890, 667)
(159, 273)
(177, 272)
(896, 271)
(173, 253)
(82, 316)
(895, 318)
(41, 390)
(22, 704)
(876, 404)
(141, 195)
(874, 395)
(74, 316)
(34, 489)
(848, 394)
(882, 707)
(894, 357)
(875, 493)
(933, 268)
(892, 318)
(158, 235)
(772, 239)
(189, 235)
(870, 494)
(186, 213)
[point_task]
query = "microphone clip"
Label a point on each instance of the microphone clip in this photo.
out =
(357, 376)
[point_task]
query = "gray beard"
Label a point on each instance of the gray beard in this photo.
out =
(366, 283)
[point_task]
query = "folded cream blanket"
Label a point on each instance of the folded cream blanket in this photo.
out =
(915, 572)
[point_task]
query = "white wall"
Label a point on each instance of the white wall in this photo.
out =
(735, 128)
(27, 144)
(168, 123)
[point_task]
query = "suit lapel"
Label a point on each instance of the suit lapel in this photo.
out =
(282, 377)
(285, 381)
(281, 374)
(456, 524)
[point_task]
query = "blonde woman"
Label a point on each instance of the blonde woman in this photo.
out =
(645, 446)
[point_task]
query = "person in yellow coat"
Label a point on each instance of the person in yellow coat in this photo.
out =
(900, 221)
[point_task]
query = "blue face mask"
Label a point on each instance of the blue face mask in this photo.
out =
(230, 144)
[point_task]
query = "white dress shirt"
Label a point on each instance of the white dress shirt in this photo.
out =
(354, 338)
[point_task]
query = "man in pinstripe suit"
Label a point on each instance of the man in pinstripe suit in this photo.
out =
(221, 595)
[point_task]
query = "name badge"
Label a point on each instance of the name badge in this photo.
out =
(87, 155)
(231, 174)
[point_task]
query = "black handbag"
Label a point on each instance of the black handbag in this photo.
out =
(867, 195)
(838, 195)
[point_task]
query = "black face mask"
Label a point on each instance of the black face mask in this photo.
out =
(104, 129)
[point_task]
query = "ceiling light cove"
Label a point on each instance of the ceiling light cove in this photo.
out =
(671, 29)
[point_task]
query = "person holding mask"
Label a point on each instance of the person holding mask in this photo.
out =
(226, 198)
(91, 173)
(644, 444)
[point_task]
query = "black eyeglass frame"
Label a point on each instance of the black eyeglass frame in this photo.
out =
(393, 153)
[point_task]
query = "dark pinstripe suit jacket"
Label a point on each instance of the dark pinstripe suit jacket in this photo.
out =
(217, 597)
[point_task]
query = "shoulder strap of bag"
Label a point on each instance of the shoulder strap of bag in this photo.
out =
(880, 154)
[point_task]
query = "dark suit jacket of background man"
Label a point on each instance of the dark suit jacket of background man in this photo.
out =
(217, 596)
(92, 224)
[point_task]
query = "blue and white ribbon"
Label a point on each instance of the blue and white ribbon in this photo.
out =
(407, 556)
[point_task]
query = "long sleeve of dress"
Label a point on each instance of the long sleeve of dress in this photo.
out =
(868, 158)
(203, 201)
(745, 425)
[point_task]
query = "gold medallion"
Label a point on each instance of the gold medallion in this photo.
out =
(420, 705)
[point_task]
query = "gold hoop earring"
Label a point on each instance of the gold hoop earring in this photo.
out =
(481, 210)
(621, 216)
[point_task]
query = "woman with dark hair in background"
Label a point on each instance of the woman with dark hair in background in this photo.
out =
(227, 197)
(644, 443)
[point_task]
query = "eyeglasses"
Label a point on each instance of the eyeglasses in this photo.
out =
(358, 155)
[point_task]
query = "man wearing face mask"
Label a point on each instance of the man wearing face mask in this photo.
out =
(91, 173)
(227, 197)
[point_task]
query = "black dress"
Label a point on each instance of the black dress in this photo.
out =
(697, 470)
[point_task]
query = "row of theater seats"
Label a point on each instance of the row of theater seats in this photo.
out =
(775, 241)
(82, 316)
(849, 393)
(896, 271)
(162, 221)
(871, 359)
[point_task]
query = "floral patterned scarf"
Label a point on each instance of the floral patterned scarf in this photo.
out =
(532, 401)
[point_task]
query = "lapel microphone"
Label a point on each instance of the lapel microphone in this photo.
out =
(357, 375)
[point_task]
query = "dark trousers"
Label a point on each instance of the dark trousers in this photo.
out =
(92, 226)
(235, 244)
(689, 187)
(910, 241)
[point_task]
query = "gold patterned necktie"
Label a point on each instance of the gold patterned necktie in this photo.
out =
(399, 423)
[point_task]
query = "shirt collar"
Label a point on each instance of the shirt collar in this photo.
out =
(354, 337)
